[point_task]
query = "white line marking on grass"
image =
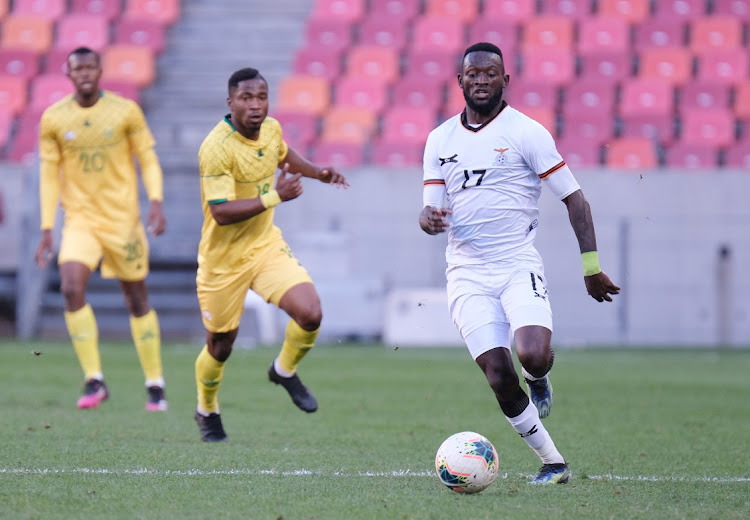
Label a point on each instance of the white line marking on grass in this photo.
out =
(318, 473)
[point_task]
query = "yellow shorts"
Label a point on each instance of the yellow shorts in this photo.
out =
(123, 255)
(270, 274)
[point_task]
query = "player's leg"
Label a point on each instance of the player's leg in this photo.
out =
(79, 255)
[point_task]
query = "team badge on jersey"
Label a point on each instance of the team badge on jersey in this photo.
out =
(69, 135)
(501, 159)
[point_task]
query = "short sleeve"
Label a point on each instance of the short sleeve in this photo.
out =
(217, 182)
(432, 174)
(49, 149)
(540, 151)
(137, 130)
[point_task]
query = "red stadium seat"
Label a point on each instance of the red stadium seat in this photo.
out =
(741, 105)
(13, 97)
(56, 61)
(680, 9)
(664, 32)
(21, 63)
(82, 30)
(107, 8)
(328, 34)
(122, 88)
(299, 128)
(502, 33)
(631, 153)
(50, 9)
(703, 94)
(715, 32)
(655, 127)
(613, 66)
(646, 96)
(345, 10)
(454, 101)
(708, 127)
(592, 128)
(510, 10)
(361, 92)
(548, 32)
(590, 97)
(437, 33)
(376, 63)
(632, 11)
(24, 144)
(574, 9)
(432, 67)
(307, 94)
(397, 155)
(313, 61)
(738, 156)
(165, 12)
(523, 93)
(672, 64)
(691, 157)
(740, 9)
(340, 155)
(397, 9)
(601, 34)
(348, 125)
(129, 63)
(544, 116)
(461, 10)
(553, 65)
(4, 7)
(407, 125)
(415, 92)
(383, 30)
(578, 153)
(146, 33)
(47, 89)
(725, 66)
(27, 31)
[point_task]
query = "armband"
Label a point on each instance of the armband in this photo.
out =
(270, 199)
(590, 263)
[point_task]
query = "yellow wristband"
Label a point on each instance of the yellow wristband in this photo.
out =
(270, 199)
(590, 263)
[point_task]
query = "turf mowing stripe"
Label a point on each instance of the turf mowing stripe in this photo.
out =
(307, 472)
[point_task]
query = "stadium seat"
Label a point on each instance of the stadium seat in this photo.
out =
(741, 105)
(590, 97)
(27, 31)
(737, 8)
(646, 96)
(574, 9)
(23, 144)
(589, 128)
(82, 30)
(724, 66)
(437, 34)
(13, 97)
(6, 119)
(403, 10)
(432, 67)
(578, 153)
(307, 94)
(328, 34)
(415, 92)
(544, 116)
(631, 153)
(691, 157)
(665, 32)
(396, 155)
(738, 156)
(129, 63)
(707, 127)
(672, 64)
(165, 12)
(361, 92)
(407, 125)
(21, 63)
(659, 128)
(703, 94)
(56, 61)
(373, 62)
(715, 32)
(461, 10)
(314, 61)
(47, 89)
(383, 30)
(345, 10)
(106, 8)
(632, 11)
(502, 33)
(602, 34)
(122, 88)
(554, 65)
(524, 93)
(613, 66)
(4, 7)
(49, 9)
(348, 125)
(547, 32)
(145, 33)
(454, 101)
(299, 128)
(680, 9)
(340, 155)
(510, 10)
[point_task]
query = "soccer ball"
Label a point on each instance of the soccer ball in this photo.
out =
(466, 462)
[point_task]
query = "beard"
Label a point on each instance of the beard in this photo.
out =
(484, 107)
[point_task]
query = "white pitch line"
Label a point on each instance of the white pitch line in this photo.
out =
(318, 473)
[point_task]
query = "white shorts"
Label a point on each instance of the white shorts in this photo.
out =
(489, 302)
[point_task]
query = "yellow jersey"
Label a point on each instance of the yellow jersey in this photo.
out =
(93, 148)
(233, 167)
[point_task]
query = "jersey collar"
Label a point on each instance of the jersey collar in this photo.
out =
(478, 128)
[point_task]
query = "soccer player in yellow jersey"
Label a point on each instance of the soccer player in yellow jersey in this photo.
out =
(242, 249)
(86, 145)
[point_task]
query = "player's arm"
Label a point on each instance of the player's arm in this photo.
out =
(288, 187)
(297, 163)
(49, 188)
(433, 217)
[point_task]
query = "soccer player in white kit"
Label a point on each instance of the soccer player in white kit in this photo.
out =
(483, 173)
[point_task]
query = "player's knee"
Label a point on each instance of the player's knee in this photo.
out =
(310, 318)
(74, 294)
(538, 362)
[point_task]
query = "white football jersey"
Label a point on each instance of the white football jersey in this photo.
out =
(493, 178)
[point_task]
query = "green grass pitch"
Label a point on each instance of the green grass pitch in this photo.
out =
(647, 433)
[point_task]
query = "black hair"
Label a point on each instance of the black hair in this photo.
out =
(80, 51)
(243, 75)
(484, 46)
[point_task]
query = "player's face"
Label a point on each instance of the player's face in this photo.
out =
(84, 71)
(483, 80)
(248, 104)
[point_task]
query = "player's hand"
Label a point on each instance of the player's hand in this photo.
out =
(329, 175)
(43, 252)
(157, 222)
(433, 220)
(599, 287)
(288, 185)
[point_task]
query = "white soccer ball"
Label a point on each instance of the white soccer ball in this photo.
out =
(466, 462)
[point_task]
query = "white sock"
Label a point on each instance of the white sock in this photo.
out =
(279, 370)
(204, 413)
(530, 428)
(155, 382)
(528, 376)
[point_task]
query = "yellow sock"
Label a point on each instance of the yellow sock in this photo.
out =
(85, 337)
(297, 343)
(147, 339)
(208, 374)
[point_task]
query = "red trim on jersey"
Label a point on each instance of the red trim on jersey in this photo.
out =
(430, 182)
(552, 170)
